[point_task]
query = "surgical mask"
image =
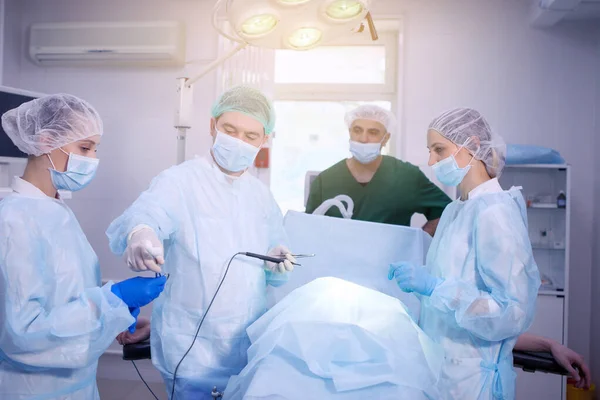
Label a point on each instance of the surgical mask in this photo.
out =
(233, 155)
(365, 153)
(80, 172)
(448, 172)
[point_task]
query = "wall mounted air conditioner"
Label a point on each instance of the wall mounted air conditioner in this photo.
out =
(108, 43)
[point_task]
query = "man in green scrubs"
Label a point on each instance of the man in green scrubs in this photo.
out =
(383, 188)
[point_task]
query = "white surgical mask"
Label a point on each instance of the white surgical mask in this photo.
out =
(448, 172)
(233, 155)
(80, 172)
(365, 153)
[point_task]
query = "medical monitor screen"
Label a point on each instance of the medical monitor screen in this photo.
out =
(8, 101)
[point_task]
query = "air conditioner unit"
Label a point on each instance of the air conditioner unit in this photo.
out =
(108, 43)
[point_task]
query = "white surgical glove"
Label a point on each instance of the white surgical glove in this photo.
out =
(144, 250)
(286, 265)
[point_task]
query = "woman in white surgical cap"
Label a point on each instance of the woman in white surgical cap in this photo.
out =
(55, 319)
(480, 281)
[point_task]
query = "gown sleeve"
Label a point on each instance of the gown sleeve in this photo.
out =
(503, 304)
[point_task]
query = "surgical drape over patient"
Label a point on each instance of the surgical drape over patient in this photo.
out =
(332, 339)
(356, 251)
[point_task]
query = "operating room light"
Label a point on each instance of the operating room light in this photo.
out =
(304, 38)
(259, 24)
(344, 9)
(272, 24)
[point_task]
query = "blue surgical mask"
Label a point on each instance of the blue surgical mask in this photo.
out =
(448, 172)
(233, 155)
(80, 172)
(365, 153)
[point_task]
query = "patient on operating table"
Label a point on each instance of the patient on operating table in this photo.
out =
(562, 354)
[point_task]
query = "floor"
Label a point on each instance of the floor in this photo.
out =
(112, 389)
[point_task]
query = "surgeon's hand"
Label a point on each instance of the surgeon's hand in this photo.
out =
(413, 279)
(286, 265)
(137, 292)
(144, 251)
(142, 333)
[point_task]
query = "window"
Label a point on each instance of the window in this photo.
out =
(340, 64)
(313, 91)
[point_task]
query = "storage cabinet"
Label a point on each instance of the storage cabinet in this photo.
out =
(548, 226)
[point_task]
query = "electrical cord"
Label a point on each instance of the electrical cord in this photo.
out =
(143, 380)
(200, 324)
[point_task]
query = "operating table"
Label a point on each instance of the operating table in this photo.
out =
(526, 360)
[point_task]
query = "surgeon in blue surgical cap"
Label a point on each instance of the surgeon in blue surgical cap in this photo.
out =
(191, 221)
(480, 281)
(55, 318)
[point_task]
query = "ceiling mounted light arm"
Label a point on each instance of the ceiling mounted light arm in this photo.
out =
(372, 29)
(216, 63)
(274, 24)
(217, 26)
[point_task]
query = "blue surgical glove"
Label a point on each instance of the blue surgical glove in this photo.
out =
(134, 313)
(413, 279)
(137, 292)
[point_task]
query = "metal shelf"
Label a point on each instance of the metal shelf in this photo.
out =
(547, 292)
(543, 206)
(539, 166)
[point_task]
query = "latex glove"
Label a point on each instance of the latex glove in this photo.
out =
(286, 265)
(134, 313)
(142, 333)
(413, 279)
(137, 292)
(572, 362)
(144, 251)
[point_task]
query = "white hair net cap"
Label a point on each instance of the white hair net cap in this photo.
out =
(461, 125)
(371, 112)
(249, 101)
(45, 124)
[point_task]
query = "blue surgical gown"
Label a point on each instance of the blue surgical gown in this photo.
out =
(204, 218)
(482, 251)
(55, 319)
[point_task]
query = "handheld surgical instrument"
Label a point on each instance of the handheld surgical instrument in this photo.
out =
(247, 254)
(276, 260)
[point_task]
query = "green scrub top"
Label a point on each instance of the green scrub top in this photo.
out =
(396, 192)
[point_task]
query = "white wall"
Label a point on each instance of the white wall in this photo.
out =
(11, 35)
(2, 28)
(535, 87)
(595, 344)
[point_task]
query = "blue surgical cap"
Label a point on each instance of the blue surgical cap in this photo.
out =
(249, 101)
